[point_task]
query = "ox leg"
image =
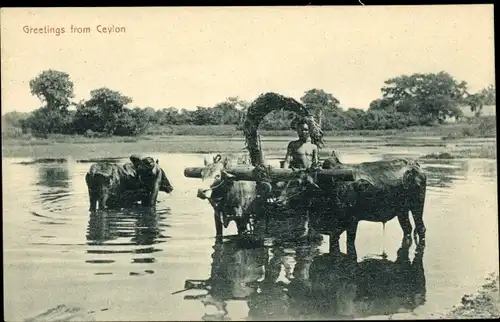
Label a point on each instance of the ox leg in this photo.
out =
(103, 201)
(404, 222)
(92, 200)
(351, 239)
(153, 197)
(417, 210)
(149, 199)
(241, 225)
(251, 223)
(218, 224)
(241, 220)
(334, 242)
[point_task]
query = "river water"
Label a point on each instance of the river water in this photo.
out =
(61, 262)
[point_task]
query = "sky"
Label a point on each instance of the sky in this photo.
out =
(188, 57)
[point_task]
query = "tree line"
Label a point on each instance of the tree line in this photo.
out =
(407, 100)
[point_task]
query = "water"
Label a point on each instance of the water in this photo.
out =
(126, 265)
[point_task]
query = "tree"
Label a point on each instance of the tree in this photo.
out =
(476, 103)
(238, 104)
(431, 96)
(88, 118)
(14, 119)
(102, 111)
(241, 106)
(205, 116)
(44, 120)
(54, 88)
(108, 101)
(382, 104)
(487, 96)
(186, 117)
(354, 118)
(149, 115)
(229, 111)
(319, 102)
(130, 122)
(168, 116)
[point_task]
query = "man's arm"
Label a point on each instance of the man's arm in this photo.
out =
(288, 155)
(315, 158)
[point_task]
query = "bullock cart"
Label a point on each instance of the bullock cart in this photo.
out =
(330, 197)
(268, 180)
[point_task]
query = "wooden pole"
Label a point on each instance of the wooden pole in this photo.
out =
(246, 173)
(193, 172)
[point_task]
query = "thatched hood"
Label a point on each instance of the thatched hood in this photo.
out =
(262, 106)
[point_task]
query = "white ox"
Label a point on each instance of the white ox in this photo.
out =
(231, 200)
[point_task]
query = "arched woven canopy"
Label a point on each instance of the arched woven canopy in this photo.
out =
(262, 106)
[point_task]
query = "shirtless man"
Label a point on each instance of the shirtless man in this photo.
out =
(301, 153)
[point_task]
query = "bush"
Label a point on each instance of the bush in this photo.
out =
(12, 132)
(91, 134)
(44, 121)
(129, 123)
(487, 127)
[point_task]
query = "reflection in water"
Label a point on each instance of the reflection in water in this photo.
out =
(54, 176)
(286, 283)
(295, 281)
(237, 266)
(342, 288)
(140, 226)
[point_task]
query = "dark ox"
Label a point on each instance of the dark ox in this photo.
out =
(114, 186)
(231, 200)
(381, 191)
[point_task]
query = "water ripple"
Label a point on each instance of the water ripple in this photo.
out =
(54, 245)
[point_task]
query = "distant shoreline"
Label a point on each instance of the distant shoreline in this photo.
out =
(477, 139)
(63, 146)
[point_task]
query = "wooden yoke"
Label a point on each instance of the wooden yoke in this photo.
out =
(247, 173)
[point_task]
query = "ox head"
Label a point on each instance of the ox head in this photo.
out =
(331, 161)
(213, 176)
(297, 190)
(148, 171)
(145, 166)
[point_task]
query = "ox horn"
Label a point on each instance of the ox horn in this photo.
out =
(227, 175)
(310, 180)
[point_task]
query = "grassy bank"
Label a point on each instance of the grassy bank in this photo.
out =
(483, 151)
(83, 148)
(227, 139)
(484, 127)
(476, 127)
(484, 304)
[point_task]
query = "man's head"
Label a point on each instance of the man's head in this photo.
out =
(302, 128)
